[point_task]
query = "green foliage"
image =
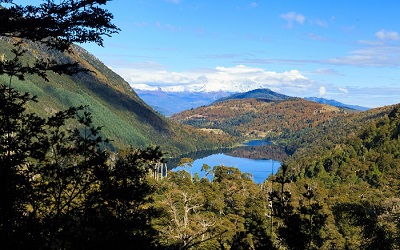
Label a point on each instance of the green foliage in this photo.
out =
(59, 187)
(21, 138)
(120, 208)
(355, 159)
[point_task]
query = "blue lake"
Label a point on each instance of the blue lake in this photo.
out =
(256, 143)
(260, 169)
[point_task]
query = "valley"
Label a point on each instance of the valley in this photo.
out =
(83, 158)
(345, 158)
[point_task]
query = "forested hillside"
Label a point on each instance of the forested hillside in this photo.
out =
(340, 190)
(252, 118)
(125, 118)
(354, 164)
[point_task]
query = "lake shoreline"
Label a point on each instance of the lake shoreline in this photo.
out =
(244, 157)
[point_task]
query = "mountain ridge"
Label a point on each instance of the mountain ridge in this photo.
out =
(169, 103)
(335, 103)
(126, 119)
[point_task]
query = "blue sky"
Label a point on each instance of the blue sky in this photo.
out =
(337, 49)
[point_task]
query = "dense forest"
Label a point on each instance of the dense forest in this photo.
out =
(254, 118)
(62, 185)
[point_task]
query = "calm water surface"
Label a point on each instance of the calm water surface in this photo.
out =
(260, 169)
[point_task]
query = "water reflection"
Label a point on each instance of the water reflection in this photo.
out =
(259, 158)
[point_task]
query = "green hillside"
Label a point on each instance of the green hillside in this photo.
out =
(125, 118)
(353, 165)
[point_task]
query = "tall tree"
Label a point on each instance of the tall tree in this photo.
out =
(24, 140)
(67, 176)
(121, 208)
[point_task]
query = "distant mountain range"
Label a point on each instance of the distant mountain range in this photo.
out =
(169, 103)
(336, 103)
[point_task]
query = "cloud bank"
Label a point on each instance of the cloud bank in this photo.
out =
(233, 79)
(242, 78)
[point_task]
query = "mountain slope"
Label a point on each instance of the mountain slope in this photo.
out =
(259, 94)
(251, 118)
(125, 118)
(353, 165)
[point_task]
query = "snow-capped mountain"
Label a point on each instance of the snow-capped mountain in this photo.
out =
(171, 102)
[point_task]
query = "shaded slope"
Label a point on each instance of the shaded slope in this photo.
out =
(125, 118)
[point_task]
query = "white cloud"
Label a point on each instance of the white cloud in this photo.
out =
(313, 36)
(322, 91)
(369, 96)
(292, 17)
(243, 78)
(343, 90)
(236, 79)
(387, 35)
(379, 55)
(321, 23)
(367, 42)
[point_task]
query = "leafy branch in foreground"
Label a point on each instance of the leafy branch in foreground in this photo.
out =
(54, 27)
